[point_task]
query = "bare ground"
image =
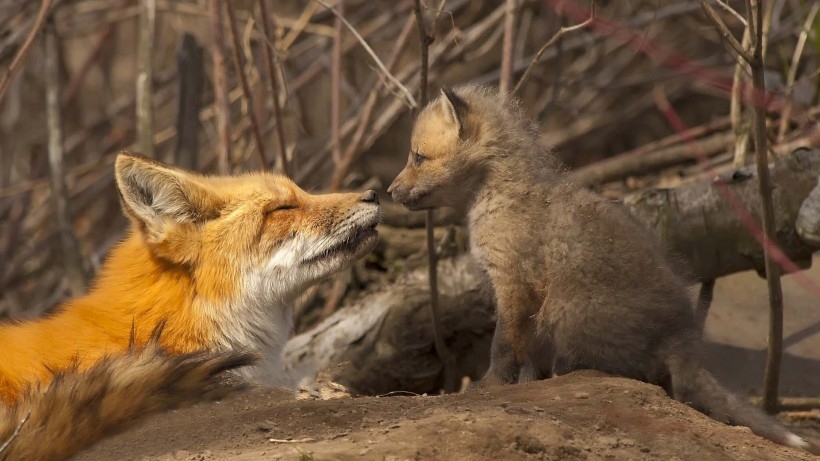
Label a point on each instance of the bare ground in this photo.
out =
(579, 416)
(583, 415)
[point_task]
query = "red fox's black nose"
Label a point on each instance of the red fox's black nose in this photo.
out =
(370, 196)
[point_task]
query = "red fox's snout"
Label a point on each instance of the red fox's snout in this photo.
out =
(353, 237)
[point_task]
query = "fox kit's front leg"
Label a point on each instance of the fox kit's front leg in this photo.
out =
(514, 335)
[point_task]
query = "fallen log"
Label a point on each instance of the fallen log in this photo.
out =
(386, 335)
(808, 218)
(700, 224)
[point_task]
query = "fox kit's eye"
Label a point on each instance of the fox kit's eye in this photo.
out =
(418, 159)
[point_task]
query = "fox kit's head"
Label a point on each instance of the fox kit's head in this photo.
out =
(441, 166)
(463, 140)
(254, 238)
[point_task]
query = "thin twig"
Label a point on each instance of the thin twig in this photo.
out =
(274, 88)
(785, 114)
(73, 261)
(145, 74)
(731, 11)
(336, 88)
(724, 31)
(243, 81)
(221, 104)
(507, 46)
(190, 82)
(432, 270)
(409, 99)
(354, 146)
(304, 440)
(623, 166)
(740, 124)
(751, 26)
(17, 63)
(771, 379)
(561, 32)
(15, 433)
(73, 85)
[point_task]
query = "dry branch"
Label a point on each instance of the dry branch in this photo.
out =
(626, 165)
(444, 355)
(274, 89)
(561, 32)
(724, 31)
(243, 82)
(14, 434)
(354, 149)
(771, 378)
(336, 89)
(145, 75)
(17, 63)
(409, 99)
(754, 57)
(740, 123)
(72, 258)
(191, 70)
(507, 47)
(221, 106)
(785, 115)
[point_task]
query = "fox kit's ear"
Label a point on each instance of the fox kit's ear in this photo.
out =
(154, 194)
(454, 108)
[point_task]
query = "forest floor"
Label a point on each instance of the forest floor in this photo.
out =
(583, 415)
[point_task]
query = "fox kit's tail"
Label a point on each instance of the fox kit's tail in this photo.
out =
(79, 408)
(692, 384)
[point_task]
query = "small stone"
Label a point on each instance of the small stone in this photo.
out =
(582, 395)
(627, 442)
(608, 440)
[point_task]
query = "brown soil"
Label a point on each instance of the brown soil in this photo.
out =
(578, 416)
(583, 415)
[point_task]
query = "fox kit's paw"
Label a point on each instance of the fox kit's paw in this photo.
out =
(485, 382)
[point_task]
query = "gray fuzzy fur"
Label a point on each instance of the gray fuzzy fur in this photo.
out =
(578, 282)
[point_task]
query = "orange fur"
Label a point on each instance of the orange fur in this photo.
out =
(215, 260)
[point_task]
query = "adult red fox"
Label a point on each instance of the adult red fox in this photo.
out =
(202, 283)
(578, 282)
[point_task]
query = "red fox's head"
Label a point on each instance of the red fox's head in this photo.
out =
(255, 238)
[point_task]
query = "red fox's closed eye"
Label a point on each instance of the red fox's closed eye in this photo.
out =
(282, 207)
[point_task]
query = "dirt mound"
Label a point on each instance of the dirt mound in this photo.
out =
(582, 415)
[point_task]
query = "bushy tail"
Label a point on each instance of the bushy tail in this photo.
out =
(692, 384)
(78, 409)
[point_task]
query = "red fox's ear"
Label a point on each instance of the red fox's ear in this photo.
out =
(155, 194)
(454, 108)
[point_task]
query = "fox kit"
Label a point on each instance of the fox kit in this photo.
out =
(210, 264)
(578, 283)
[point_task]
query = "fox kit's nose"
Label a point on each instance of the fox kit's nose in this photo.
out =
(370, 196)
